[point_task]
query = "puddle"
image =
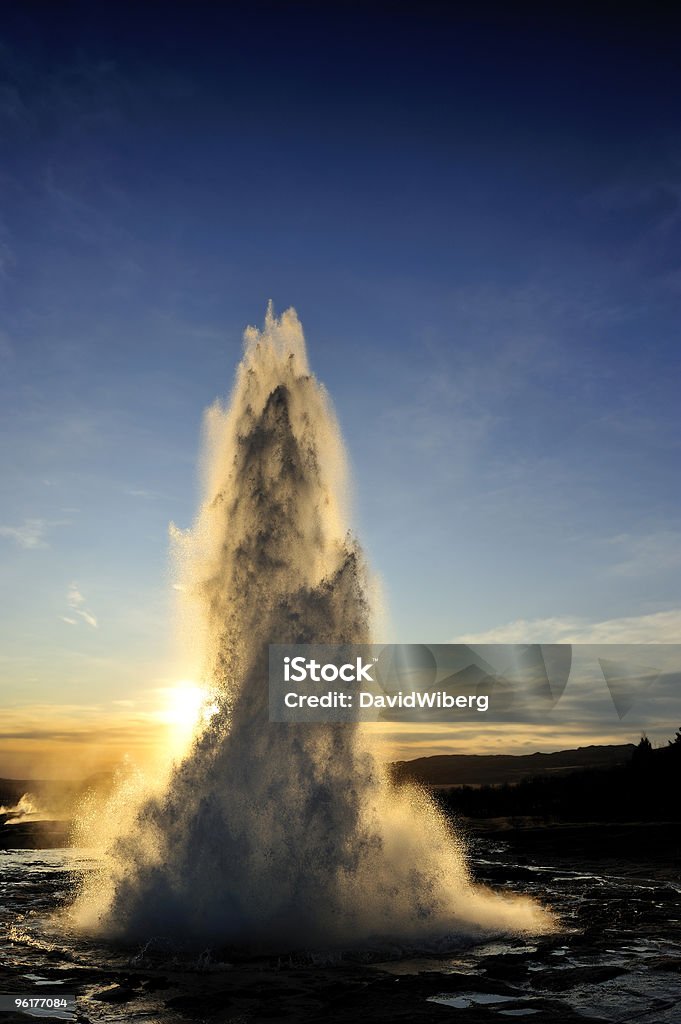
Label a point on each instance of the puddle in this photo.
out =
(39, 980)
(517, 1013)
(466, 999)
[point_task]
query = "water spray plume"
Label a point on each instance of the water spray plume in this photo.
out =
(273, 835)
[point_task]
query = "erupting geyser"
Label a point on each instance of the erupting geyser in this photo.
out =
(274, 835)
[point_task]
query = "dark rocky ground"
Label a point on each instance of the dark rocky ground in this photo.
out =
(615, 887)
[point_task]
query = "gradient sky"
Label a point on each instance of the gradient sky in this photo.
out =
(477, 218)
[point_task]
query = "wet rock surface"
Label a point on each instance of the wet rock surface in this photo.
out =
(616, 959)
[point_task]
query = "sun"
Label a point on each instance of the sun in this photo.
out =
(187, 705)
(184, 702)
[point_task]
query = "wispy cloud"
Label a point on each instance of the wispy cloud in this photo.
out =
(30, 534)
(654, 628)
(76, 603)
(141, 492)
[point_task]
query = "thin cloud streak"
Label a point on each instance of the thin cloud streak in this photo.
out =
(654, 628)
(30, 534)
(76, 603)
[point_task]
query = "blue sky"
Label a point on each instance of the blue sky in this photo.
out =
(477, 218)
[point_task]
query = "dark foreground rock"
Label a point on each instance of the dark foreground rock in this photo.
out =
(308, 994)
(634, 849)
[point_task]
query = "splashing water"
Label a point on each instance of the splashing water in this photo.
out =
(27, 808)
(274, 835)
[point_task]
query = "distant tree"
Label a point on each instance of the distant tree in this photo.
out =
(643, 753)
(677, 739)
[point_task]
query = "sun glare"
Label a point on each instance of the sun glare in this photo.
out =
(187, 705)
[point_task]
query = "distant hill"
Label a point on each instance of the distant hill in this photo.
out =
(498, 769)
(643, 788)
